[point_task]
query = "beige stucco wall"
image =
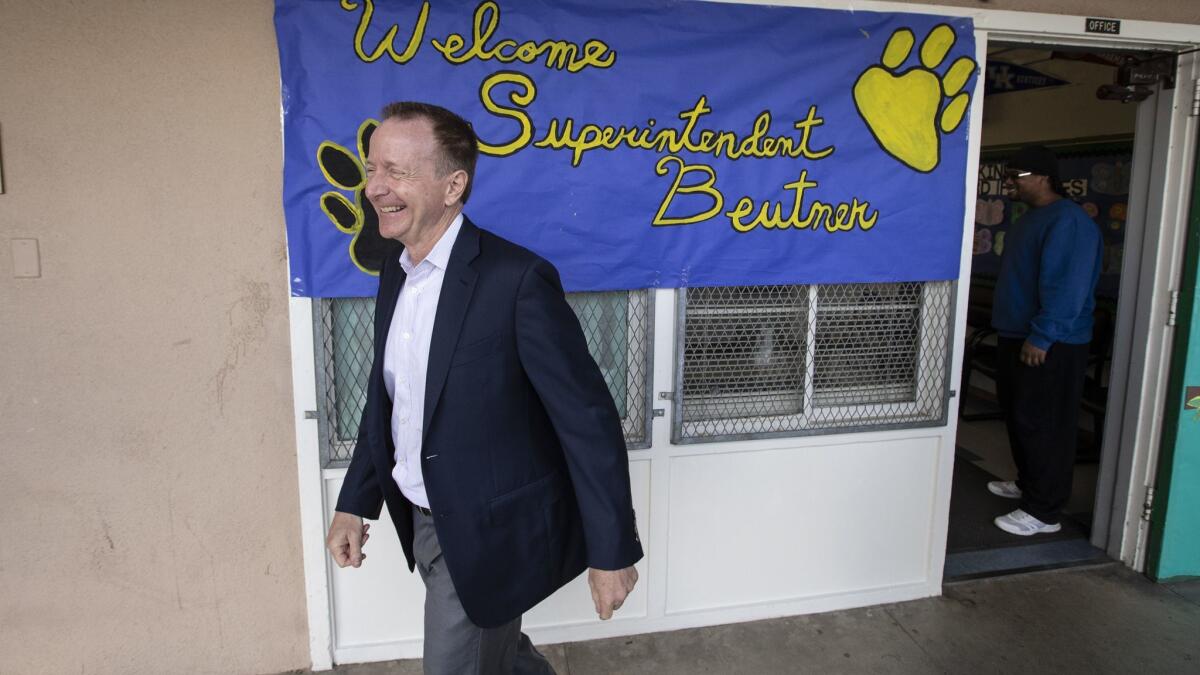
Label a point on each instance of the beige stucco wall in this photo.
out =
(148, 496)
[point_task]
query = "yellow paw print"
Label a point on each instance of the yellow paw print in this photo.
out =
(904, 112)
(344, 170)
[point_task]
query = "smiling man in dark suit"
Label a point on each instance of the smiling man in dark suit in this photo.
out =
(488, 429)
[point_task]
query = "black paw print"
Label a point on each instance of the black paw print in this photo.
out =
(344, 170)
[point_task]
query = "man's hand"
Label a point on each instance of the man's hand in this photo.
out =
(347, 534)
(610, 588)
(1032, 356)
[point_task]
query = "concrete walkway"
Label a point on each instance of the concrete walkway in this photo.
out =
(1098, 620)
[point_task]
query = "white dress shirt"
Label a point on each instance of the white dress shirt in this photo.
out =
(406, 359)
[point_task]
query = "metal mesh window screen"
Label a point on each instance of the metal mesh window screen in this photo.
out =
(345, 348)
(768, 361)
(743, 354)
(618, 330)
(867, 342)
(616, 324)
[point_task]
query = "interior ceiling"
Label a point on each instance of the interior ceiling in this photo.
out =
(1134, 71)
(1026, 55)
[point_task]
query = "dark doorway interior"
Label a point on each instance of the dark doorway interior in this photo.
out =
(1049, 96)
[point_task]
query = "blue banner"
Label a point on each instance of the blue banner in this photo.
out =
(643, 143)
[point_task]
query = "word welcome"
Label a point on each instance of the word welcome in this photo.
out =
(456, 49)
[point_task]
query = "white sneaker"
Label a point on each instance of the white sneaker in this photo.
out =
(1022, 524)
(1005, 488)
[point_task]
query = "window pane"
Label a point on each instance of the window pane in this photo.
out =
(792, 360)
(743, 351)
(353, 345)
(616, 325)
(602, 317)
(867, 337)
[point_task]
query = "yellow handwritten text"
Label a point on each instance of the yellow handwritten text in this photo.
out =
(579, 139)
(558, 54)
(690, 181)
(841, 217)
(388, 44)
(705, 188)
(563, 134)
(522, 98)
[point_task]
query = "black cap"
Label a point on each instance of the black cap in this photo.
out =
(1038, 160)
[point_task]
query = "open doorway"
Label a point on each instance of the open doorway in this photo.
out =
(1069, 99)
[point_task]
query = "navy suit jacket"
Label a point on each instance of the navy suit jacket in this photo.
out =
(523, 455)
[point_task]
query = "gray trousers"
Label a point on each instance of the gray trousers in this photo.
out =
(454, 645)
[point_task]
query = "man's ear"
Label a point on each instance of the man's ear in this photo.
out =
(456, 187)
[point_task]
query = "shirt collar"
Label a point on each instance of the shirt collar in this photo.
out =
(439, 256)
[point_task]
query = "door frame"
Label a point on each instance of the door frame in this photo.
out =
(1144, 340)
(1151, 268)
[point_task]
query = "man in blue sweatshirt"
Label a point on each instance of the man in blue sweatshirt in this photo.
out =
(1042, 313)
